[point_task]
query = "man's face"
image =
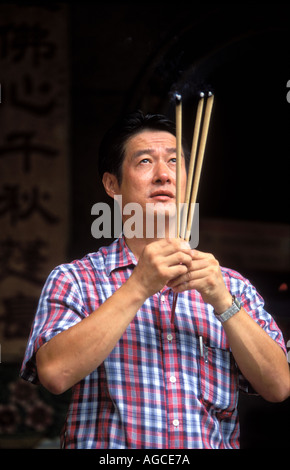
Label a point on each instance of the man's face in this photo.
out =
(149, 170)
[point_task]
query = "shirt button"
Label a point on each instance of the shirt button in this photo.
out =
(172, 379)
(162, 298)
(169, 337)
(175, 423)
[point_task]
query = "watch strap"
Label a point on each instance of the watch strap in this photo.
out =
(235, 308)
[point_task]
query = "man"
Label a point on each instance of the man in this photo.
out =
(103, 324)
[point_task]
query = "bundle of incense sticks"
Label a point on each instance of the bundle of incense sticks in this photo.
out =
(195, 165)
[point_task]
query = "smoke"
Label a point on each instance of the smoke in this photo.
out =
(190, 86)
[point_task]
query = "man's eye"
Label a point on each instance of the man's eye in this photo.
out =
(173, 160)
(144, 160)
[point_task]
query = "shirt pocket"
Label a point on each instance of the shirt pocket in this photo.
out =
(218, 381)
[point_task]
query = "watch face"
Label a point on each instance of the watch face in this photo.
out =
(238, 304)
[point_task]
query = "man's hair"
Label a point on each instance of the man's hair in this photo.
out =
(112, 147)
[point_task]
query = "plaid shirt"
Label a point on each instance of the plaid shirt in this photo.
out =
(163, 385)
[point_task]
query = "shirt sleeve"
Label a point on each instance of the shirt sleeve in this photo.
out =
(254, 305)
(60, 307)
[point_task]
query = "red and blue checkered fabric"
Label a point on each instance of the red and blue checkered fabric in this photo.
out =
(155, 389)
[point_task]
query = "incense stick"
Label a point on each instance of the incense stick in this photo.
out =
(189, 208)
(178, 111)
(199, 163)
(178, 158)
(191, 164)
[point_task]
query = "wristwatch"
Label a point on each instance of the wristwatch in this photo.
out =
(235, 308)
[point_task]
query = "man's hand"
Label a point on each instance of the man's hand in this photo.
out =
(161, 262)
(259, 358)
(204, 275)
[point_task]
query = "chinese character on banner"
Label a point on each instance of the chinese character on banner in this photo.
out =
(21, 143)
(19, 206)
(19, 40)
(34, 97)
(34, 172)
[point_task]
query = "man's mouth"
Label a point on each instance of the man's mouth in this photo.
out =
(162, 195)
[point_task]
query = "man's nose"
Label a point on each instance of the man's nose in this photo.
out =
(162, 173)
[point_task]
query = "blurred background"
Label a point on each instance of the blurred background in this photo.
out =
(67, 71)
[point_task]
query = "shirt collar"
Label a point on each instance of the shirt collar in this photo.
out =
(119, 256)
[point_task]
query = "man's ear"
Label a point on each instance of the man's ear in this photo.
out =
(111, 184)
